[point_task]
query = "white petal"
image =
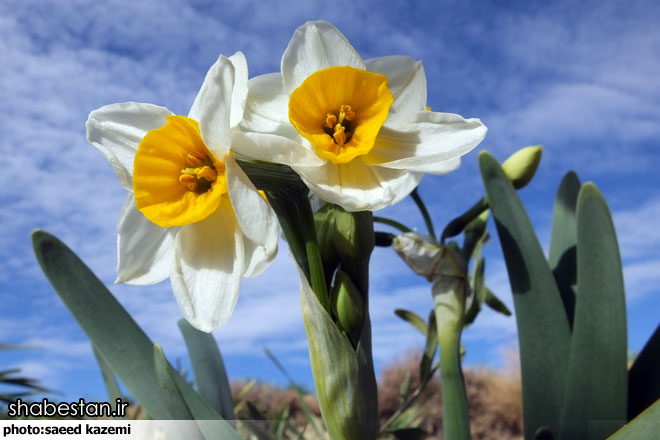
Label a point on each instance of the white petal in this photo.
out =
(273, 148)
(426, 143)
(117, 129)
(212, 107)
(145, 251)
(208, 267)
(267, 107)
(406, 81)
(256, 219)
(357, 187)
(240, 92)
(314, 46)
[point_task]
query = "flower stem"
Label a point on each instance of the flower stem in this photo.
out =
(395, 224)
(425, 213)
(297, 221)
(455, 419)
(457, 225)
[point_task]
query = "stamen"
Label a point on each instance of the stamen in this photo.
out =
(194, 160)
(188, 181)
(346, 112)
(339, 135)
(207, 173)
(330, 121)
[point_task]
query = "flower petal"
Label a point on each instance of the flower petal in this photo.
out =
(273, 148)
(407, 82)
(208, 267)
(314, 46)
(212, 107)
(240, 91)
(358, 187)
(117, 129)
(426, 143)
(255, 218)
(267, 107)
(145, 251)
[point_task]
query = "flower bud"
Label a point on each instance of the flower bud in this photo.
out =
(521, 166)
(418, 253)
(354, 234)
(347, 305)
(324, 221)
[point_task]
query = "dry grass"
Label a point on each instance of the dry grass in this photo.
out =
(494, 399)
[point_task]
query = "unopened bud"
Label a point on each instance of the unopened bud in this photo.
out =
(521, 166)
(354, 234)
(348, 305)
(324, 220)
(418, 253)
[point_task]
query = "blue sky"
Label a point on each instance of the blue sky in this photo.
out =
(579, 78)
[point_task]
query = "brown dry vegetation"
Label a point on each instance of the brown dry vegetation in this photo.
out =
(494, 399)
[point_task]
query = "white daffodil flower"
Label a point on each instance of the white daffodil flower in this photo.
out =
(362, 135)
(191, 213)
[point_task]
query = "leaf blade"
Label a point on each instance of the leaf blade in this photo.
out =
(543, 329)
(209, 369)
(597, 383)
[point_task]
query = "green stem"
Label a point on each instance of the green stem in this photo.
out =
(297, 221)
(455, 418)
(425, 213)
(457, 225)
(395, 224)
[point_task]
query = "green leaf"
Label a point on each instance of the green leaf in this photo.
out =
(404, 388)
(478, 291)
(643, 377)
(165, 378)
(210, 375)
(543, 330)
(563, 241)
(120, 341)
(644, 426)
(495, 303)
(413, 319)
(429, 350)
(108, 378)
(343, 375)
(597, 384)
(476, 236)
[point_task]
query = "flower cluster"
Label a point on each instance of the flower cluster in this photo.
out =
(357, 132)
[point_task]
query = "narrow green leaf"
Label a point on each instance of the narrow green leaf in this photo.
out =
(597, 384)
(413, 319)
(429, 350)
(643, 377)
(495, 303)
(173, 398)
(113, 332)
(210, 375)
(246, 389)
(404, 388)
(563, 241)
(478, 292)
(543, 330)
(279, 427)
(109, 379)
(644, 426)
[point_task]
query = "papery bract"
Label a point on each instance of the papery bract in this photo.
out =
(361, 136)
(191, 213)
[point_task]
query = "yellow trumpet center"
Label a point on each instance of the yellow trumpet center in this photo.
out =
(340, 111)
(176, 180)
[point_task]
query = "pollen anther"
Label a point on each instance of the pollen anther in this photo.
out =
(188, 181)
(339, 135)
